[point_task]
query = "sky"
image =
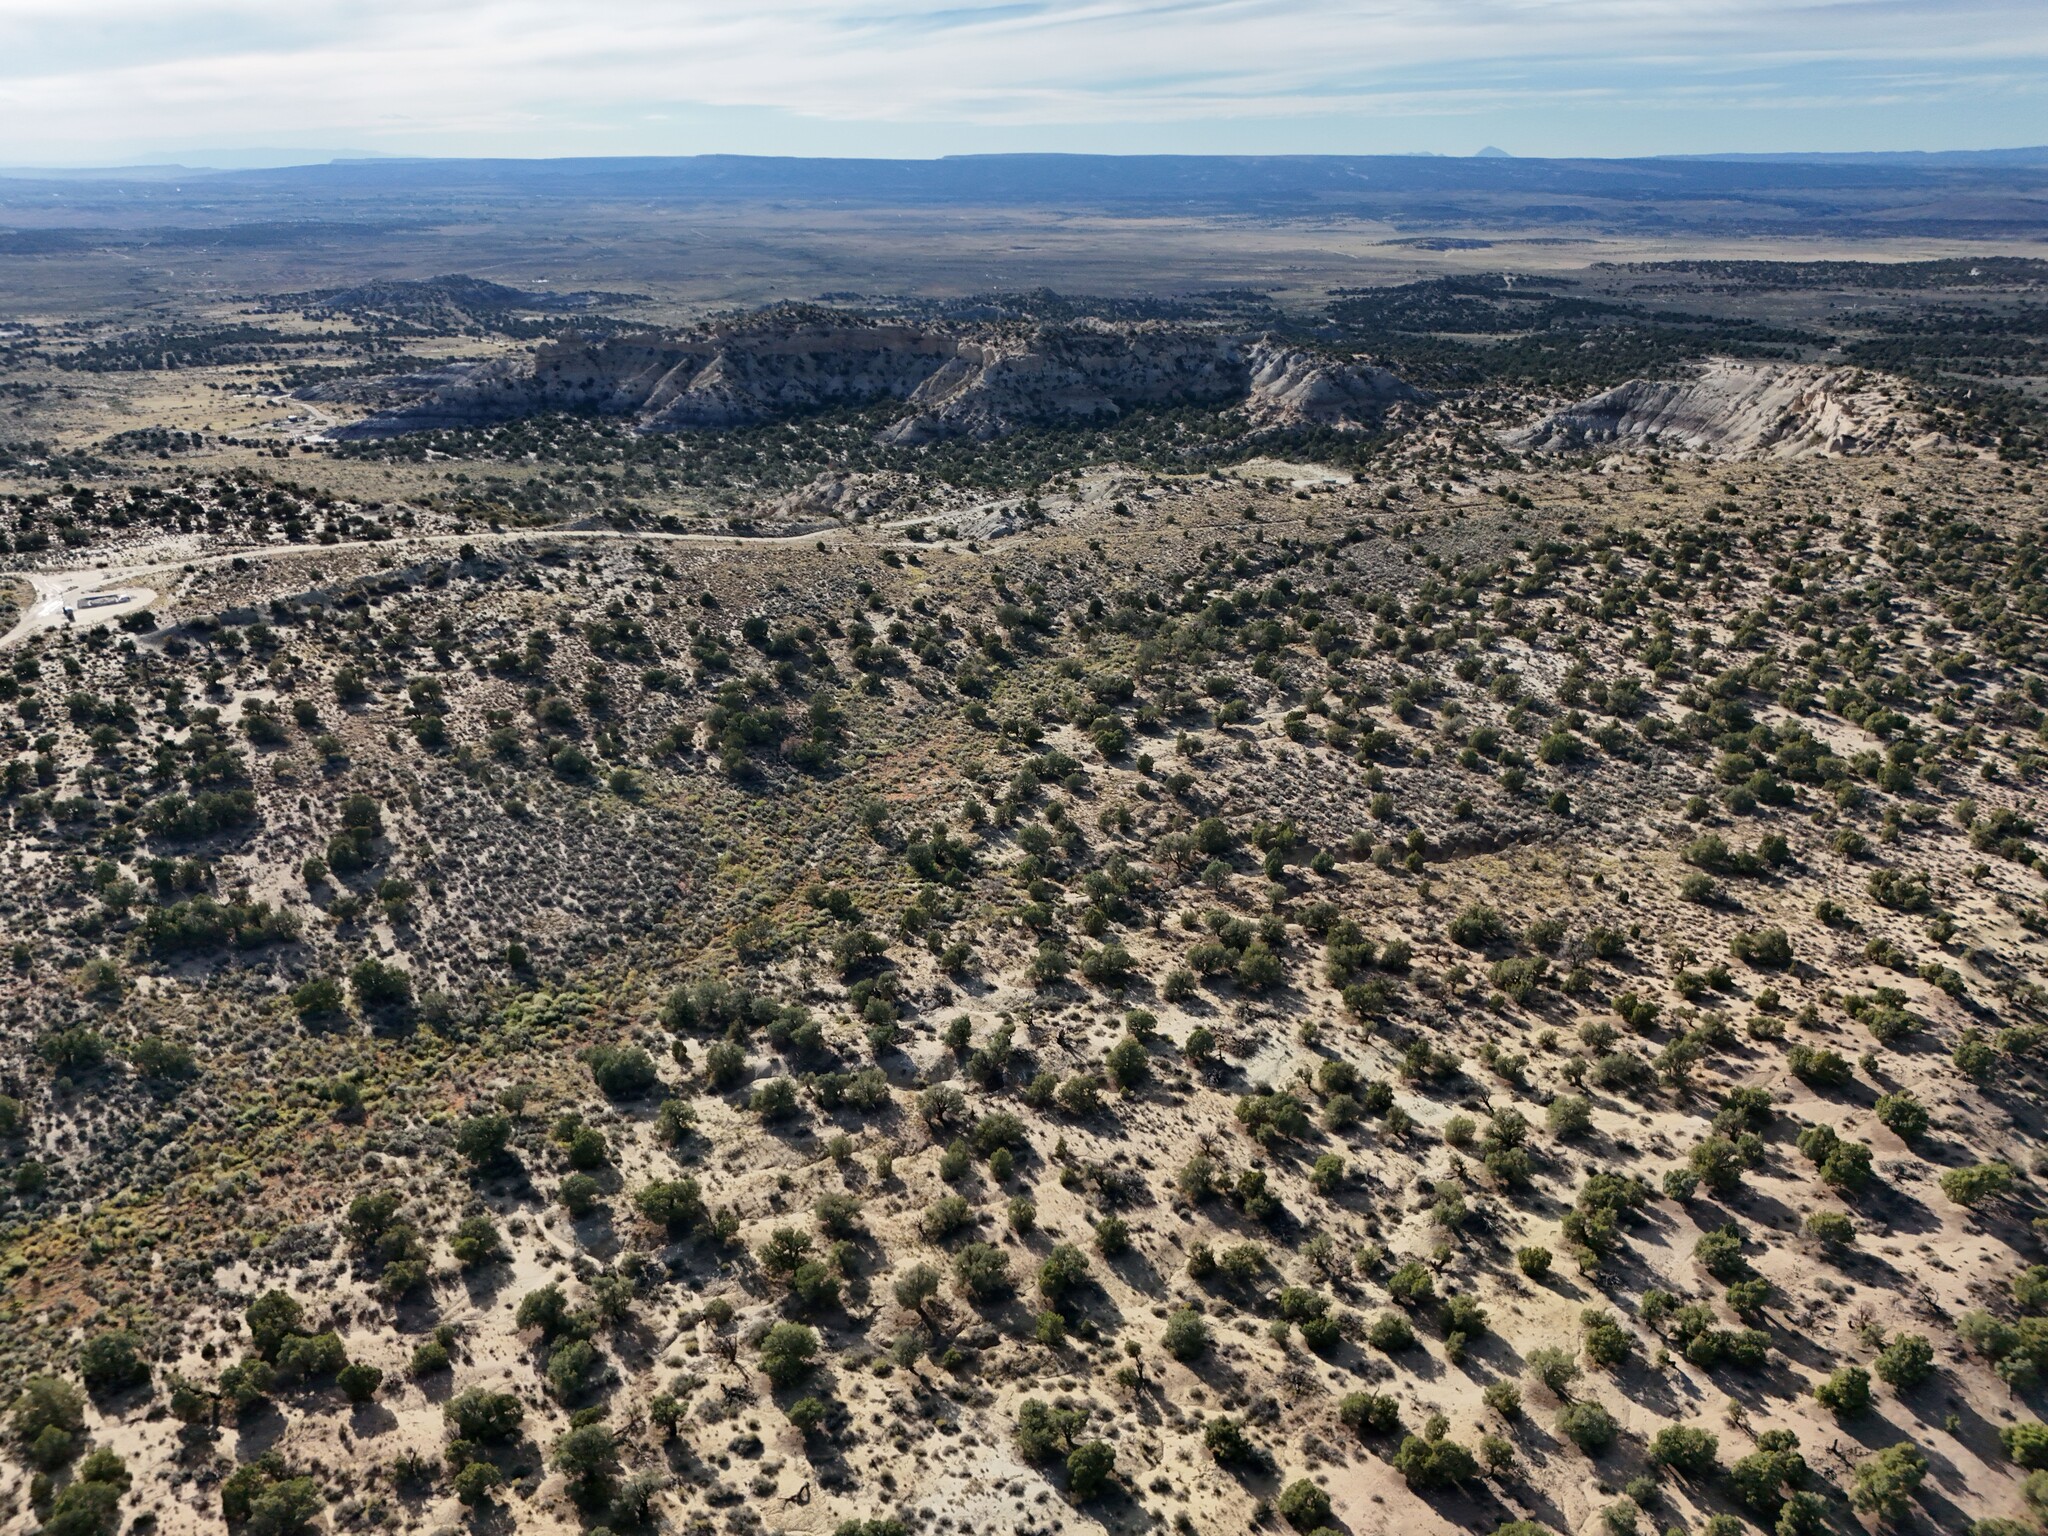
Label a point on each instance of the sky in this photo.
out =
(119, 82)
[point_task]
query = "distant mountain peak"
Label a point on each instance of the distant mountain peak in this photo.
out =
(1492, 152)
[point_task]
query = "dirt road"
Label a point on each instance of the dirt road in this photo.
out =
(67, 597)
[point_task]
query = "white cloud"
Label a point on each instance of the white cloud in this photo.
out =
(427, 75)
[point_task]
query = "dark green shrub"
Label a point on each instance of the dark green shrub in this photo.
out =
(1392, 1332)
(982, 1270)
(1587, 1425)
(1303, 1505)
(484, 1416)
(786, 1353)
(620, 1072)
(1768, 949)
(1433, 1464)
(379, 986)
(2026, 1443)
(1090, 1468)
(1044, 1431)
(1064, 1268)
(1187, 1334)
(1845, 1394)
(1478, 926)
(1369, 1413)
(1689, 1451)
(482, 1138)
(112, 1360)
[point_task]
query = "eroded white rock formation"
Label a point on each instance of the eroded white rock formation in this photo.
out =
(1733, 409)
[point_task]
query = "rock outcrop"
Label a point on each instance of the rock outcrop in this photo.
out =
(446, 301)
(1294, 388)
(1096, 372)
(709, 380)
(386, 390)
(1732, 409)
(750, 376)
(953, 385)
(1083, 373)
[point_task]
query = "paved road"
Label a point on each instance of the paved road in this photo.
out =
(58, 593)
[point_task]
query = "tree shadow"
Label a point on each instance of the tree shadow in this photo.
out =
(595, 1233)
(416, 1311)
(1216, 1373)
(1800, 1349)
(1535, 1504)
(1087, 1302)
(486, 1282)
(121, 1401)
(1419, 1362)
(1135, 1270)
(1898, 1210)
(1471, 1506)
(258, 1430)
(507, 1180)
(1973, 1431)
(1491, 1353)
(635, 1344)
(436, 1386)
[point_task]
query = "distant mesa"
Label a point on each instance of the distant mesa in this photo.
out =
(977, 384)
(467, 293)
(1441, 243)
(383, 390)
(439, 301)
(1731, 409)
(42, 242)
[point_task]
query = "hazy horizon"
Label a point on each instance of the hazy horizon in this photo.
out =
(98, 83)
(201, 160)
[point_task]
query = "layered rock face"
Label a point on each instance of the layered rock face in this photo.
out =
(1097, 372)
(1733, 409)
(952, 385)
(667, 383)
(1293, 388)
(379, 391)
(744, 379)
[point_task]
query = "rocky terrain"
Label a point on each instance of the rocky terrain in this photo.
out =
(1734, 409)
(1061, 918)
(777, 365)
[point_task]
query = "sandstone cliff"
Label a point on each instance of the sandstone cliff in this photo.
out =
(1734, 409)
(953, 385)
